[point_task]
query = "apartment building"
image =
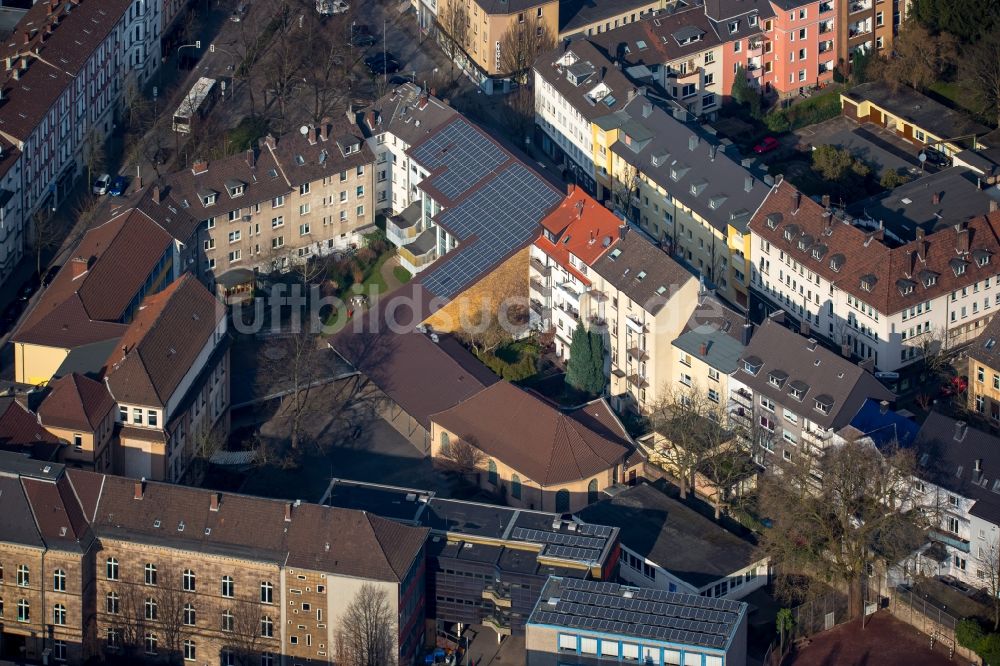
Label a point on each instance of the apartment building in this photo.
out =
(708, 350)
(643, 299)
(794, 396)
(301, 195)
(573, 237)
(568, 623)
(101, 565)
(875, 295)
(142, 246)
(533, 455)
(685, 191)
(983, 371)
(587, 17)
(487, 564)
(67, 66)
(169, 376)
(668, 546)
(680, 51)
(575, 85)
(802, 36)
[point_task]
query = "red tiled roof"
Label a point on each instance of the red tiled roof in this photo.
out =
(925, 265)
(540, 442)
(20, 429)
(582, 227)
(162, 342)
(76, 402)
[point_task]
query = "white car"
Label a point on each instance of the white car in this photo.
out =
(101, 184)
(329, 7)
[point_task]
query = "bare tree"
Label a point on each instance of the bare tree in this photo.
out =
(293, 364)
(920, 56)
(453, 27)
(837, 517)
(989, 563)
(624, 187)
(45, 234)
(367, 633)
(170, 603)
(521, 45)
(520, 113)
(95, 156)
(283, 67)
(979, 68)
(126, 614)
(242, 624)
(327, 69)
(463, 455)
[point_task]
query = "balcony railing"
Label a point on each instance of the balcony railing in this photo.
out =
(538, 308)
(539, 288)
(498, 624)
(856, 7)
(742, 397)
(638, 354)
(541, 268)
(637, 380)
(571, 312)
(951, 540)
(635, 324)
(825, 7)
(597, 320)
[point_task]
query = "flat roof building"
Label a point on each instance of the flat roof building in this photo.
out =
(590, 622)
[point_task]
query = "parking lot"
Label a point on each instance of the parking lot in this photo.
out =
(875, 145)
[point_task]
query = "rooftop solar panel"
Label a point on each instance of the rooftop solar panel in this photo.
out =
(466, 154)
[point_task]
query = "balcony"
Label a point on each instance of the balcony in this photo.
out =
(569, 311)
(635, 324)
(597, 320)
(638, 381)
(951, 540)
(826, 28)
(540, 267)
(539, 288)
(755, 49)
(638, 354)
(743, 398)
(825, 7)
(498, 594)
(742, 416)
(569, 292)
(597, 295)
(692, 76)
(825, 47)
(859, 29)
(858, 7)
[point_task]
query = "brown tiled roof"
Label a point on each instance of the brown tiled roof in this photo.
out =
(415, 373)
(658, 34)
(399, 110)
(21, 431)
(304, 159)
(176, 221)
(887, 269)
(334, 540)
(986, 347)
(54, 60)
(162, 342)
(76, 402)
(256, 169)
(58, 513)
(641, 270)
(602, 70)
(540, 442)
(87, 486)
(120, 255)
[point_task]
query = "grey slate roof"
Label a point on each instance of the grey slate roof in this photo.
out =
(402, 112)
(601, 69)
(720, 329)
(672, 535)
(951, 462)
(16, 522)
(827, 377)
(693, 170)
(912, 205)
(641, 270)
(576, 14)
(986, 347)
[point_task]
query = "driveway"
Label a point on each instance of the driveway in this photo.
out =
(873, 144)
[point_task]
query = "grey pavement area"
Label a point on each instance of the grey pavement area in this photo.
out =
(875, 145)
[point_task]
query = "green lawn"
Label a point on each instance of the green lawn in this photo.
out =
(401, 274)
(373, 282)
(955, 95)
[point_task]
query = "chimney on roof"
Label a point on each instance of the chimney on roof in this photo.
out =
(796, 201)
(962, 238)
(77, 266)
(960, 429)
(288, 512)
(883, 407)
(748, 183)
(579, 215)
(921, 247)
(140, 487)
(324, 125)
(26, 36)
(936, 198)
(826, 201)
(747, 332)
(270, 141)
(994, 205)
(979, 465)
(251, 158)
(692, 142)
(622, 229)
(312, 134)
(423, 101)
(214, 501)
(804, 328)
(199, 167)
(711, 152)
(647, 108)
(703, 349)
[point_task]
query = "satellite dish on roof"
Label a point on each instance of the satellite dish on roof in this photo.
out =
(304, 130)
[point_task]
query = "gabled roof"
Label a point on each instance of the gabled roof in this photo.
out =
(406, 112)
(76, 402)
(20, 431)
(161, 344)
(660, 39)
(863, 264)
(985, 347)
(318, 153)
(798, 363)
(582, 228)
(642, 271)
(256, 167)
(715, 334)
(581, 73)
(545, 445)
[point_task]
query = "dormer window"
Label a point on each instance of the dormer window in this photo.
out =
(958, 266)
(817, 253)
(777, 378)
(752, 365)
(836, 262)
(796, 393)
(734, 26)
(930, 280)
(235, 188)
(788, 234)
(867, 282)
(640, 276)
(823, 404)
(772, 220)
(208, 197)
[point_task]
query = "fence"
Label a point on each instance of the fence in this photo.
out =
(929, 618)
(818, 615)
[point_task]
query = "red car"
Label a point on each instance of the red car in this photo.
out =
(767, 145)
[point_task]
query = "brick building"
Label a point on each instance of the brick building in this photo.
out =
(103, 566)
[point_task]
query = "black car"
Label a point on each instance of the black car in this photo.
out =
(50, 275)
(363, 40)
(379, 58)
(400, 79)
(936, 157)
(11, 315)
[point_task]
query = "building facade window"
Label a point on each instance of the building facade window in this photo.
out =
(266, 592)
(23, 575)
(59, 580)
(228, 587)
(188, 580)
(515, 486)
(150, 573)
(592, 491)
(267, 627)
(59, 615)
(562, 501)
(111, 572)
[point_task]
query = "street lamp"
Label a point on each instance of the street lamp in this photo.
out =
(196, 45)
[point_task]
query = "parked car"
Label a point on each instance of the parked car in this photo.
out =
(239, 12)
(11, 315)
(329, 7)
(363, 40)
(936, 157)
(388, 66)
(102, 183)
(379, 57)
(400, 79)
(955, 386)
(50, 275)
(767, 145)
(118, 186)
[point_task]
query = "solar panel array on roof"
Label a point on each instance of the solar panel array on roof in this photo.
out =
(558, 538)
(638, 612)
(467, 154)
(503, 215)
